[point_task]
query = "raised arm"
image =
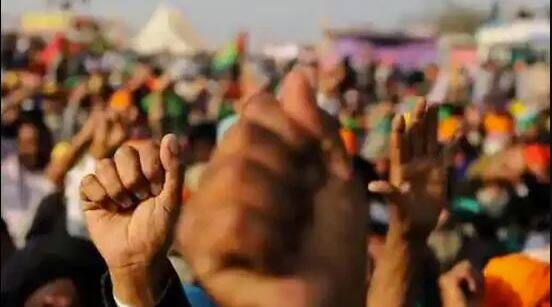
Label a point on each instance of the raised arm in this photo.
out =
(416, 192)
(131, 204)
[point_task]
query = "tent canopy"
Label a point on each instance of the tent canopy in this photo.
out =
(166, 32)
(520, 32)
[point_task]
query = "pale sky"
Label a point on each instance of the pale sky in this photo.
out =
(272, 20)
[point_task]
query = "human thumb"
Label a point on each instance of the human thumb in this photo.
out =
(170, 159)
(299, 103)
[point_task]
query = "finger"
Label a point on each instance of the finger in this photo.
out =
(101, 130)
(432, 120)
(127, 162)
(449, 150)
(262, 109)
(299, 103)
(337, 159)
(472, 284)
(387, 190)
(152, 168)
(92, 191)
(257, 187)
(117, 134)
(106, 172)
(272, 213)
(258, 144)
(417, 130)
(232, 237)
(169, 154)
(397, 152)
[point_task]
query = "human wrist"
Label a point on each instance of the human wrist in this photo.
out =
(142, 284)
(401, 228)
(451, 295)
(400, 232)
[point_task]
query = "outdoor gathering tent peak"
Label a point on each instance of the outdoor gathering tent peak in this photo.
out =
(166, 32)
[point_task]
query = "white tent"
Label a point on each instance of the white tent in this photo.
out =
(166, 32)
(520, 32)
(499, 39)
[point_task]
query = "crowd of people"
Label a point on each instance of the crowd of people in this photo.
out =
(440, 175)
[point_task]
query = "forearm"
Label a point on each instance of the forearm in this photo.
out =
(58, 168)
(397, 275)
(141, 284)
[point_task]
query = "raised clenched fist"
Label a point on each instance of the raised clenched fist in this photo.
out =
(279, 219)
(131, 204)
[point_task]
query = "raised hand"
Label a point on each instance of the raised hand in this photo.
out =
(131, 204)
(417, 183)
(278, 219)
(462, 286)
(108, 134)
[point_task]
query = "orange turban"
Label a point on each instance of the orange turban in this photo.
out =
(516, 281)
(120, 100)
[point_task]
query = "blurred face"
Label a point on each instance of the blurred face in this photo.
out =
(28, 146)
(57, 293)
(431, 72)
(472, 116)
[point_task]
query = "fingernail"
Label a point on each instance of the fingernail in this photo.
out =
(372, 186)
(173, 145)
(156, 188)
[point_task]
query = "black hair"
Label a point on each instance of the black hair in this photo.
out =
(47, 258)
(205, 131)
(45, 139)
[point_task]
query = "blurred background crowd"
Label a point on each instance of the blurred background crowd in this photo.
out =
(72, 92)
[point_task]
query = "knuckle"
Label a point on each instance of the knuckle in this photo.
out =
(152, 168)
(133, 181)
(247, 133)
(104, 165)
(86, 182)
(257, 105)
(124, 152)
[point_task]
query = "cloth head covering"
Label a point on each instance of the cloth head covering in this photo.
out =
(498, 124)
(517, 281)
(121, 100)
(47, 258)
(536, 154)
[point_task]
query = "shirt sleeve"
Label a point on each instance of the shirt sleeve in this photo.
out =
(172, 296)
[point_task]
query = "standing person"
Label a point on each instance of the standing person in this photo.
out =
(484, 83)
(24, 182)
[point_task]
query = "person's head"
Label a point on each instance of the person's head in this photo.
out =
(53, 271)
(34, 144)
(202, 141)
(60, 292)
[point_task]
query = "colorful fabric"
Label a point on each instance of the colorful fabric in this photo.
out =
(537, 154)
(516, 281)
(349, 139)
(121, 100)
(227, 57)
(175, 110)
(197, 296)
(498, 124)
(448, 128)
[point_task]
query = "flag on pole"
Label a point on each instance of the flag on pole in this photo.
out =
(227, 57)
